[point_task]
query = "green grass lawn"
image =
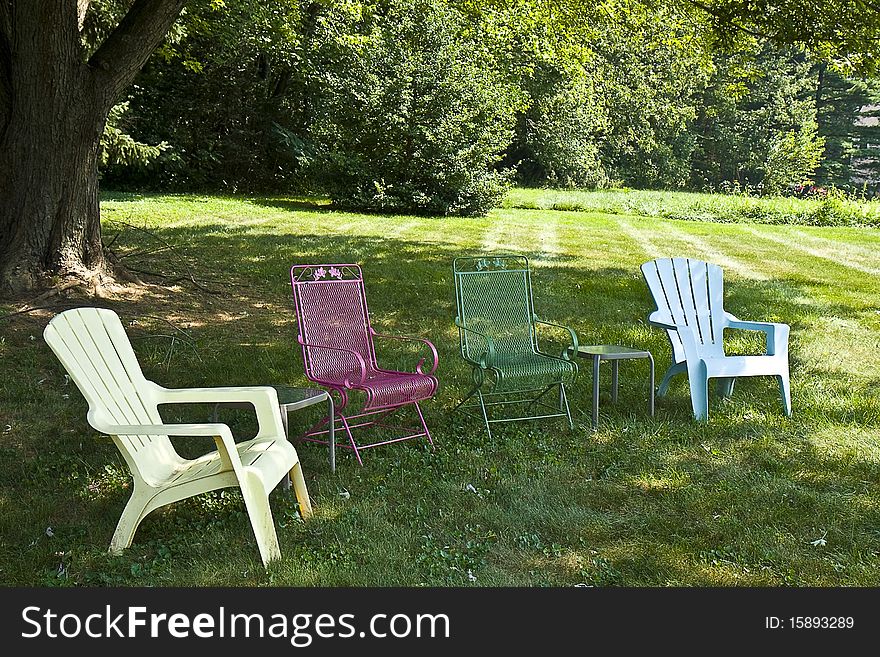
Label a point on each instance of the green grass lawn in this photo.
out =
(834, 210)
(749, 498)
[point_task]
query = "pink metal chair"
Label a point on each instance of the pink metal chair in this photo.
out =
(339, 354)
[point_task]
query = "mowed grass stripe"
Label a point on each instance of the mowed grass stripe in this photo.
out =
(820, 250)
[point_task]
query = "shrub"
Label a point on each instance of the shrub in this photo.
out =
(408, 116)
(792, 158)
(562, 134)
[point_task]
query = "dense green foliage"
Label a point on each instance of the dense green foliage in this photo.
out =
(758, 122)
(847, 111)
(218, 92)
(431, 106)
(406, 116)
(119, 149)
(843, 31)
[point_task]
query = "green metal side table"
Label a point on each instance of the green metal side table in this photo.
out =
(615, 354)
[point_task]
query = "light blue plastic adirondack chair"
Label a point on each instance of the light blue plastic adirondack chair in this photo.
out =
(689, 295)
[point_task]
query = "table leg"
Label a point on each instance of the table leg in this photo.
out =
(651, 384)
(614, 366)
(596, 359)
(285, 484)
(332, 432)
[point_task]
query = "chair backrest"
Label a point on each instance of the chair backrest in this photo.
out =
(93, 347)
(331, 310)
(494, 296)
(689, 292)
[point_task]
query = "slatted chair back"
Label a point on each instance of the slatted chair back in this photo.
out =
(331, 310)
(92, 345)
(494, 297)
(689, 292)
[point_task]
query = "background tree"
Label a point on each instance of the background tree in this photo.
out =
(845, 107)
(249, 54)
(652, 66)
(757, 122)
(845, 33)
(409, 112)
(561, 117)
(120, 149)
(607, 91)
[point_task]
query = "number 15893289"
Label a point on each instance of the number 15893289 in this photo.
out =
(809, 623)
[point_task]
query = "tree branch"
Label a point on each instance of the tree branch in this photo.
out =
(870, 5)
(725, 20)
(128, 47)
(190, 276)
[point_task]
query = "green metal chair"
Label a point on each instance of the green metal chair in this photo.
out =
(497, 329)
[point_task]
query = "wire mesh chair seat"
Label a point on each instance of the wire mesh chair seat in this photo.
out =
(498, 337)
(338, 349)
(389, 388)
(529, 371)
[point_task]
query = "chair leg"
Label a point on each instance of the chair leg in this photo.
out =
(351, 438)
(596, 361)
(132, 515)
(424, 424)
(698, 380)
(785, 392)
(302, 493)
(725, 386)
(615, 369)
(678, 368)
(256, 501)
(564, 399)
(470, 394)
(485, 415)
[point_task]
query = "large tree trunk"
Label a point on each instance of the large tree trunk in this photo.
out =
(54, 101)
(49, 217)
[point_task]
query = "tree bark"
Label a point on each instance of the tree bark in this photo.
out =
(53, 107)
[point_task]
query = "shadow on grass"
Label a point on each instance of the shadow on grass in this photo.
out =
(295, 205)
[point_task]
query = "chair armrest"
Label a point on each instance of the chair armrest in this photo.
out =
(253, 394)
(661, 321)
(221, 434)
(777, 333)
(212, 429)
(573, 347)
(489, 355)
(408, 338)
(362, 364)
(263, 398)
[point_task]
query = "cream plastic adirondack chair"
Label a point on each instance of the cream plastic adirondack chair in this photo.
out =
(92, 345)
(689, 295)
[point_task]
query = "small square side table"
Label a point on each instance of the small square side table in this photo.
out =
(615, 354)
